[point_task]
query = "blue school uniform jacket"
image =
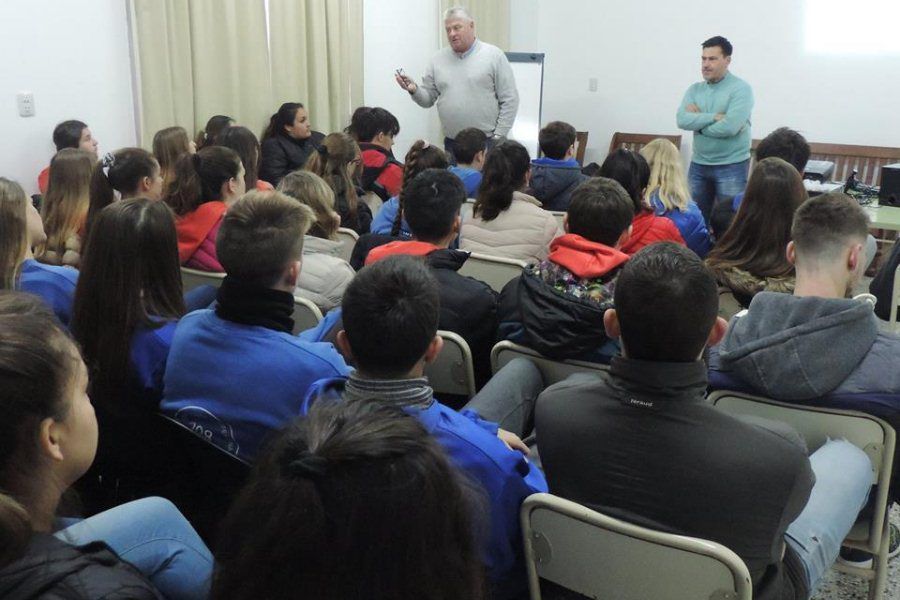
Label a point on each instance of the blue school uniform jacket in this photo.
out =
(55, 285)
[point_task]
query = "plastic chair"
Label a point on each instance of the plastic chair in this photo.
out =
(728, 304)
(817, 425)
(349, 239)
(560, 217)
(215, 479)
(452, 371)
(495, 271)
(374, 203)
(636, 141)
(551, 370)
(306, 314)
(601, 557)
(191, 278)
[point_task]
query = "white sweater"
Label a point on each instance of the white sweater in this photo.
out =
(323, 274)
(523, 231)
(477, 90)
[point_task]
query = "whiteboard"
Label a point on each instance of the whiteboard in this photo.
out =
(528, 69)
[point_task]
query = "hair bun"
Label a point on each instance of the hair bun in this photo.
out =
(305, 465)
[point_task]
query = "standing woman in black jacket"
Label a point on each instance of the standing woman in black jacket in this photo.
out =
(48, 439)
(287, 142)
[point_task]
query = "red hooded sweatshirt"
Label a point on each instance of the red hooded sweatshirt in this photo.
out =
(196, 227)
(408, 248)
(584, 258)
(648, 229)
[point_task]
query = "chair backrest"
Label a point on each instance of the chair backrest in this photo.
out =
(867, 160)
(601, 557)
(306, 314)
(191, 278)
(581, 140)
(551, 370)
(452, 371)
(559, 216)
(216, 477)
(817, 425)
(348, 238)
(465, 211)
(728, 304)
(372, 200)
(495, 271)
(636, 141)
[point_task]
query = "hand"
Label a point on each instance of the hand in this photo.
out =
(406, 83)
(512, 441)
(719, 116)
(692, 108)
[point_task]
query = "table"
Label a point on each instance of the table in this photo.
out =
(883, 217)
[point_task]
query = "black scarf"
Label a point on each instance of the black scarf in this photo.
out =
(251, 304)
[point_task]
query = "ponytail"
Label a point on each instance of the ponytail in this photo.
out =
(207, 135)
(330, 161)
(421, 156)
(120, 172)
(15, 529)
(199, 178)
(503, 173)
(13, 232)
(285, 116)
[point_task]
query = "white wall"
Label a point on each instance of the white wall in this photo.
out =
(74, 57)
(645, 54)
(401, 33)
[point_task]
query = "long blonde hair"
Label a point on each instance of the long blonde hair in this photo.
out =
(311, 190)
(13, 232)
(68, 198)
(667, 178)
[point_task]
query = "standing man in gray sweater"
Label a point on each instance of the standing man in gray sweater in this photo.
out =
(471, 81)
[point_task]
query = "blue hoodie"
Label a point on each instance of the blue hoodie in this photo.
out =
(690, 224)
(553, 181)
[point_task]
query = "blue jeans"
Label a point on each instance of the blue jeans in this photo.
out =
(154, 536)
(508, 398)
(714, 182)
(843, 480)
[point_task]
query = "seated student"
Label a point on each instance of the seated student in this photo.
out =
(48, 436)
(556, 306)
(750, 257)
(557, 173)
(205, 185)
(469, 148)
(127, 304)
(316, 481)
(882, 285)
(389, 220)
(325, 274)
(374, 129)
(169, 145)
(506, 221)
(131, 172)
(640, 443)
(390, 320)
(337, 161)
(69, 134)
(65, 206)
(207, 135)
(287, 142)
(669, 196)
(236, 371)
(21, 231)
(468, 306)
(817, 346)
(244, 142)
(633, 173)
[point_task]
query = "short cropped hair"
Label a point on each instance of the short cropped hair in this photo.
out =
(555, 139)
(786, 144)
(721, 42)
(600, 210)
(431, 203)
(260, 235)
(390, 315)
(824, 225)
(68, 134)
(667, 302)
(468, 143)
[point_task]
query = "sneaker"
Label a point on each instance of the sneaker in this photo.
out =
(863, 560)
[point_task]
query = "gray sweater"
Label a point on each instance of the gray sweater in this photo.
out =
(475, 90)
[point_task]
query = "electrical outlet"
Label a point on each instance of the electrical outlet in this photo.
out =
(592, 84)
(25, 100)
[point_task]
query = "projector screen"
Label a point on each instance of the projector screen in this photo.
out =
(864, 27)
(528, 69)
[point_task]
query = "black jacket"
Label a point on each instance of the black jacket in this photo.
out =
(882, 286)
(557, 325)
(641, 443)
(361, 222)
(280, 154)
(54, 570)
